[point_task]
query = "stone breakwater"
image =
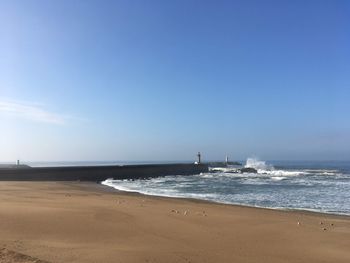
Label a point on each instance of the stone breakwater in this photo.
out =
(99, 173)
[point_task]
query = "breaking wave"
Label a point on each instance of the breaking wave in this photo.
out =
(267, 169)
(257, 164)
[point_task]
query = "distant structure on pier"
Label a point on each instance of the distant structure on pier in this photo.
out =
(199, 157)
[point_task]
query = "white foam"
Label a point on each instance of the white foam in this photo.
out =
(224, 169)
(321, 170)
(133, 186)
(110, 183)
(222, 174)
(281, 172)
(278, 178)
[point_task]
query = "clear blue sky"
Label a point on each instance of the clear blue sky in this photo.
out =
(161, 80)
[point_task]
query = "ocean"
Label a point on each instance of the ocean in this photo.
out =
(288, 185)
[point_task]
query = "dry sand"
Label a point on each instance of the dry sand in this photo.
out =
(86, 222)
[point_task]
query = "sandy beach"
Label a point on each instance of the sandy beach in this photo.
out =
(87, 222)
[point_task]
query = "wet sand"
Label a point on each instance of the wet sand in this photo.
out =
(87, 222)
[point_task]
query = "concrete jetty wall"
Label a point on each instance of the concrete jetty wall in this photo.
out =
(99, 173)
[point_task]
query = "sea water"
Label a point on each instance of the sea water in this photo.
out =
(315, 186)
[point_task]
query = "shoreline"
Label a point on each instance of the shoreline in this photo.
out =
(91, 222)
(301, 210)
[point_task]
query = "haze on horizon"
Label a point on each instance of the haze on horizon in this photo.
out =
(162, 80)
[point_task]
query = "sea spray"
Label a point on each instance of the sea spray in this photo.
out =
(257, 164)
(268, 169)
